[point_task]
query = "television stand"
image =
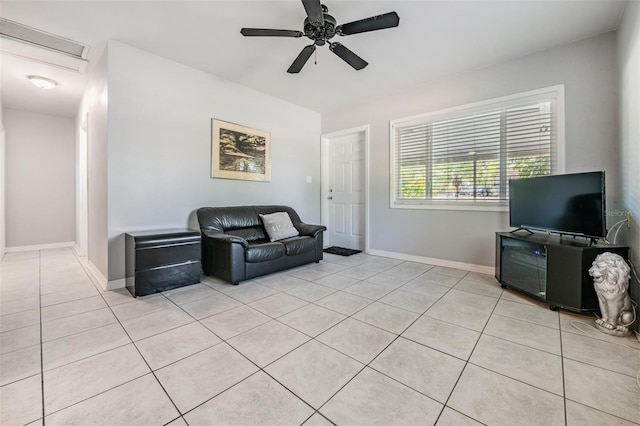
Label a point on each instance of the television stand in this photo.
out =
(521, 229)
(551, 268)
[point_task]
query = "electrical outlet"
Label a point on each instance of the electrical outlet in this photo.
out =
(628, 220)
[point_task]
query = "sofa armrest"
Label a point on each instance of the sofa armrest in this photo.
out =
(309, 230)
(219, 237)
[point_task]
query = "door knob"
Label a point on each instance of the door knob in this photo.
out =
(329, 198)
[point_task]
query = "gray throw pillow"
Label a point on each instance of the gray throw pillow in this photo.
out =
(278, 226)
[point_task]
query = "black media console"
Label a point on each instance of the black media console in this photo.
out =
(161, 260)
(552, 268)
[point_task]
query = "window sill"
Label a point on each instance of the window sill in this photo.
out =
(457, 206)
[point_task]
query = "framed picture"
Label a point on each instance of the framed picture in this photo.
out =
(239, 152)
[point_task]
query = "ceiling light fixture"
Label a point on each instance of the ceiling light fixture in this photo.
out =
(42, 82)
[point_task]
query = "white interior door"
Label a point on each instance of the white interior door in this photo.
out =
(346, 192)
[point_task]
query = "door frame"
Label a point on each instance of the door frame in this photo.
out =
(82, 213)
(325, 140)
(3, 238)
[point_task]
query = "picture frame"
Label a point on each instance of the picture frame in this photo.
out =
(240, 152)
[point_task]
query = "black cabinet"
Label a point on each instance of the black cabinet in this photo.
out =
(161, 260)
(551, 268)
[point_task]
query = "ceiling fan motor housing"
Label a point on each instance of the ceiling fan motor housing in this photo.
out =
(320, 33)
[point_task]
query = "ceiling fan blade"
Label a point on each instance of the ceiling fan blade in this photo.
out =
(265, 32)
(314, 11)
(380, 22)
(302, 59)
(348, 56)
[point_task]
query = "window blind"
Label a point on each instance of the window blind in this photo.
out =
(464, 157)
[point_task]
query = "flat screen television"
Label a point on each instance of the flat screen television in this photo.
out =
(567, 204)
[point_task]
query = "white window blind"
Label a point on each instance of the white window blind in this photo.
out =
(467, 155)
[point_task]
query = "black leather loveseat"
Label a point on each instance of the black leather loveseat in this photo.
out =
(236, 247)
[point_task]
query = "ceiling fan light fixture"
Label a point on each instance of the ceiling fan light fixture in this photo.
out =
(42, 82)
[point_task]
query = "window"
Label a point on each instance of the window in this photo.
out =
(463, 157)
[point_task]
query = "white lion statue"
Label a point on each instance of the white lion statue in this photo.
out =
(611, 281)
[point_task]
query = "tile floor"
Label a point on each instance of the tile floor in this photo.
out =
(352, 340)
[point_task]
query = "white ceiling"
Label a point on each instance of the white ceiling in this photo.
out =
(434, 39)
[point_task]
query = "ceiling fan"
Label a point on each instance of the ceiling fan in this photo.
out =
(321, 27)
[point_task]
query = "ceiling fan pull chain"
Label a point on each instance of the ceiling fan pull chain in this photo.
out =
(315, 57)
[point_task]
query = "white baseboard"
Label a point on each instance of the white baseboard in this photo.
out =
(116, 284)
(94, 273)
(482, 269)
(96, 276)
(39, 247)
(78, 252)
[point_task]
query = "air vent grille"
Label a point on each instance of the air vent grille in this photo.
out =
(15, 31)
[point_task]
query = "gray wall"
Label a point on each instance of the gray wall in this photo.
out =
(159, 147)
(587, 69)
(629, 75)
(40, 178)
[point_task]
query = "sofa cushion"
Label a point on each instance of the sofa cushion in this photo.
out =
(264, 251)
(299, 245)
(250, 234)
(278, 226)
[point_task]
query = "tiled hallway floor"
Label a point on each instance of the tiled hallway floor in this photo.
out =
(352, 340)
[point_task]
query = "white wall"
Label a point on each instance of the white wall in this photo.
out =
(159, 148)
(629, 76)
(40, 176)
(94, 105)
(588, 71)
(2, 186)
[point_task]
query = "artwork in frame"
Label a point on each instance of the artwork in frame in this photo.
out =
(239, 152)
